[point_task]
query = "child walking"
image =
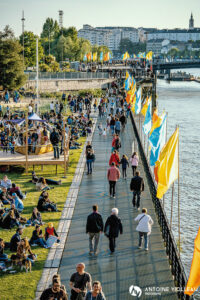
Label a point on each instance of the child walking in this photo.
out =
(104, 132)
(124, 162)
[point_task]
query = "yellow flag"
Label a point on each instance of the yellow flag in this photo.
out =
(94, 56)
(166, 168)
(149, 55)
(145, 106)
(194, 277)
(133, 104)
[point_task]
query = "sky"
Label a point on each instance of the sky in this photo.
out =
(133, 13)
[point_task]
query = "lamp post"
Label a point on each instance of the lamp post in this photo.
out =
(37, 68)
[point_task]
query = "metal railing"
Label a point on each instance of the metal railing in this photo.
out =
(177, 268)
(68, 75)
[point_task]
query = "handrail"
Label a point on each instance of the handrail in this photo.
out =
(177, 268)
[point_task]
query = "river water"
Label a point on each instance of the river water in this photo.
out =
(182, 102)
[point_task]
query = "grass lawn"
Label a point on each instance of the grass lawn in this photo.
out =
(22, 285)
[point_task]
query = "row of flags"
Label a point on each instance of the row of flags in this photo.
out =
(107, 56)
(148, 56)
(164, 156)
(94, 56)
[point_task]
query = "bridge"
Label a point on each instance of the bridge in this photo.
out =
(183, 64)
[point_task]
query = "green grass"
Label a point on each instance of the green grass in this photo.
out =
(22, 285)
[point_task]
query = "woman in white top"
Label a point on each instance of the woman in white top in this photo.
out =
(144, 228)
(134, 160)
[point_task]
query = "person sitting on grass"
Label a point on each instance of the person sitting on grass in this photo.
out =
(35, 218)
(5, 182)
(5, 197)
(50, 231)
(3, 256)
(16, 189)
(9, 220)
(18, 203)
(16, 239)
(44, 203)
(24, 250)
(37, 237)
(41, 185)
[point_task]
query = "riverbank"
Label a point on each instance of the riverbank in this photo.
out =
(22, 285)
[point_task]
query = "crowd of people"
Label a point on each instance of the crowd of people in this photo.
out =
(113, 112)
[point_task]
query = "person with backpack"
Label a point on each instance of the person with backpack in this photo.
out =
(55, 138)
(117, 142)
(124, 162)
(137, 186)
(79, 282)
(90, 157)
(112, 228)
(145, 223)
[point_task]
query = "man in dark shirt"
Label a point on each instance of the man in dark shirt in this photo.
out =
(16, 238)
(79, 282)
(137, 186)
(54, 138)
(93, 227)
(54, 293)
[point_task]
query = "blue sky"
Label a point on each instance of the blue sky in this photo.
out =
(136, 13)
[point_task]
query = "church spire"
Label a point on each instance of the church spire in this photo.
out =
(191, 22)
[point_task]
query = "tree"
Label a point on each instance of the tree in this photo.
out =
(50, 29)
(11, 62)
(174, 52)
(132, 48)
(49, 64)
(30, 48)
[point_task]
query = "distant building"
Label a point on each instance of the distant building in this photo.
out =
(191, 22)
(108, 36)
(182, 35)
(157, 45)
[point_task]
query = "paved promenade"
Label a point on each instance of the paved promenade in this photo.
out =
(129, 265)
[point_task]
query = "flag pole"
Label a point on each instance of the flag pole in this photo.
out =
(165, 142)
(179, 223)
(172, 201)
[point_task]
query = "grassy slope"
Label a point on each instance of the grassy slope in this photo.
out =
(23, 285)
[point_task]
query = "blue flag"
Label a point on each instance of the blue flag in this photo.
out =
(147, 121)
(138, 102)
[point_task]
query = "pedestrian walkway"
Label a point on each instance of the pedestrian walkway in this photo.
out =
(129, 265)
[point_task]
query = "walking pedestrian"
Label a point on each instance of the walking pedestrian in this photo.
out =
(114, 158)
(112, 228)
(96, 292)
(117, 126)
(90, 159)
(137, 186)
(54, 292)
(134, 160)
(124, 162)
(112, 125)
(145, 223)
(79, 282)
(113, 176)
(94, 227)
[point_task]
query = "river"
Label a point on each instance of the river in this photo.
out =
(182, 102)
